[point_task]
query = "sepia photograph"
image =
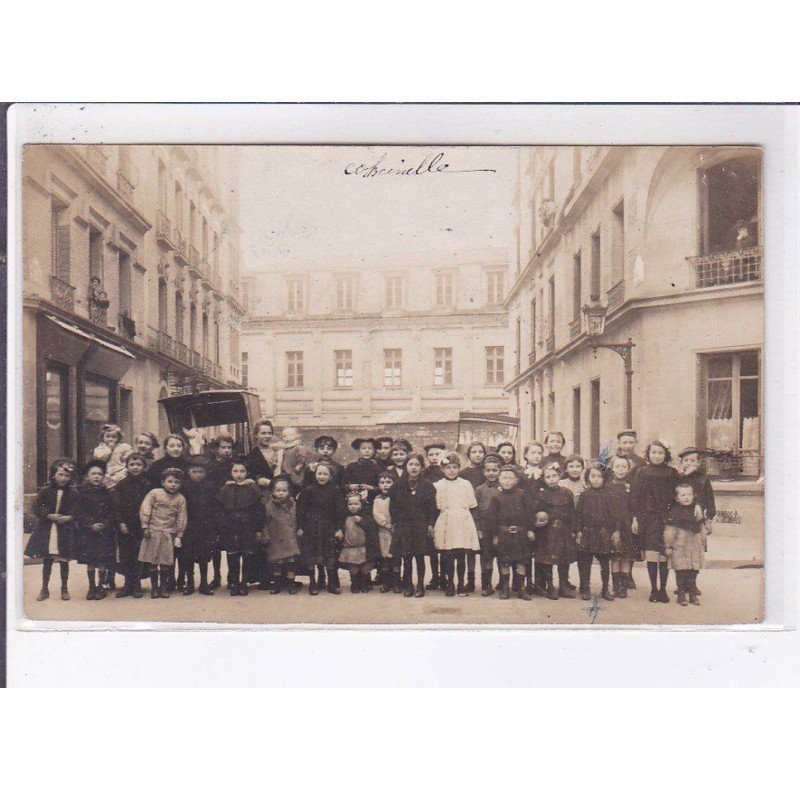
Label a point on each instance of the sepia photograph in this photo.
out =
(393, 385)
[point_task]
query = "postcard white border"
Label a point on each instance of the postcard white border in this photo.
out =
(198, 654)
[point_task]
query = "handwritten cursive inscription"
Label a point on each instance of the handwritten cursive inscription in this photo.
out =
(432, 164)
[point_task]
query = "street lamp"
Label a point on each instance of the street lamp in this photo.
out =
(595, 315)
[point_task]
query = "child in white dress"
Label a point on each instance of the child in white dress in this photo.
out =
(455, 533)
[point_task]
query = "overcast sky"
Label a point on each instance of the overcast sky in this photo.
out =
(297, 204)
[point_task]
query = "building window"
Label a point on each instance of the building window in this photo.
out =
(551, 328)
(216, 342)
(294, 369)
(495, 287)
(179, 207)
(126, 413)
(576, 419)
(618, 242)
(95, 254)
(125, 284)
(344, 368)
(162, 305)
(444, 288)
(551, 411)
(731, 413)
(192, 326)
(392, 367)
(394, 291)
(294, 294)
(518, 347)
(56, 413)
(59, 241)
(594, 422)
(594, 278)
(204, 333)
(99, 407)
(345, 292)
(443, 366)
(179, 316)
(245, 370)
(495, 366)
(534, 324)
(730, 205)
(577, 285)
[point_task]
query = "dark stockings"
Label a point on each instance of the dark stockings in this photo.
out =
(216, 560)
(234, 569)
(186, 569)
(563, 575)
(658, 573)
(461, 566)
(408, 572)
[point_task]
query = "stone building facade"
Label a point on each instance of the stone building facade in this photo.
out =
(668, 240)
(130, 290)
(401, 346)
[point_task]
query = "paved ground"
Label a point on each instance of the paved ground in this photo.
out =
(729, 596)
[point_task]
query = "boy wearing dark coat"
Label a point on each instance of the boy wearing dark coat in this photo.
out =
(53, 537)
(200, 537)
(219, 473)
(96, 523)
(128, 496)
(510, 520)
(484, 494)
(325, 448)
(383, 455)
(597, 536)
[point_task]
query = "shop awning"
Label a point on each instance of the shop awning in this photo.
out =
(95, 354)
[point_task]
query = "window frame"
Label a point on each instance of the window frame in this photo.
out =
(443, 355)
(495, 365)
(295, 369)
(292, 306)
(448, 275)
(341, 359)
(495, 286)
(395, 365)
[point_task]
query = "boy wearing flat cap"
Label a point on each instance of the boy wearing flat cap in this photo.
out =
(384, 453)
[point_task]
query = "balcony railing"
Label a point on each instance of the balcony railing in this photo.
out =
(550, 344)
(62, 294)
(166, 344)
(164, 229)
(208, 366)
(723, 269)
(216, 372)
(195, 360)
(182, 352)
(575, 328)
(194, 256)
(180, 246)
(616, 296)
(531, 358)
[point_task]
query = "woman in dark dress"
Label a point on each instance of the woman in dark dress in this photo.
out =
(652, 495)
(412, 507)
(96, 523)
(128, 496)
(53, 537)
(321, 512)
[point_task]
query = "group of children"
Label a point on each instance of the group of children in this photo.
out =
(282, 511)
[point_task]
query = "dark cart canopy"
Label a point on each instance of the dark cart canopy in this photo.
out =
(207, 409)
